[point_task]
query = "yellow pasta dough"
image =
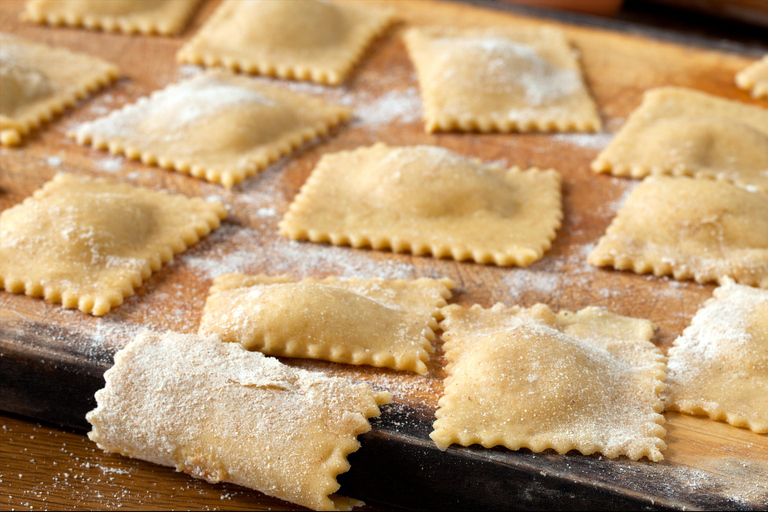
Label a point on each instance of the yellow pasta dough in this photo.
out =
(691, 229)
(164, 17)
(685, 132)
(314, 40)
(500, 79)
(218, 412)
(356, 321)
(755, 78)
(37, 82)
(87, 243)
(428, 200)
(530, 378)
(719, 366)
(216, 126)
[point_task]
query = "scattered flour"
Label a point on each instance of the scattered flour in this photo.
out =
(394, 106)
(53, 161)
(110, 164)
(585, 140)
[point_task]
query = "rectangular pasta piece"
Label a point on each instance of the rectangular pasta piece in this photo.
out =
(530, 378)
(39, 81)
(428, 200)
(385, 323)
(500, 79)
(719, 366)
(691, 229)
(218, 412)
(165, 17)
(87, 243)
(678, 131)
(755, 78)
(216, 126)
(315, 40)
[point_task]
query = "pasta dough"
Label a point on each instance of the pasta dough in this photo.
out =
(428, 200)
(218, 412)
(216, 126)
(87, 243)
(685, 132)
(529, 378)
(691, 229)
(755, 78)
(500, 80)
(37, 82)
(164, 17)
(301, 39)
(355, 321)
(719, 366)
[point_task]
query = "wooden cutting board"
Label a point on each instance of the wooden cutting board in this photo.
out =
(52, 360)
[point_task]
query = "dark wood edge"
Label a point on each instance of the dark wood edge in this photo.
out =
(627, 27)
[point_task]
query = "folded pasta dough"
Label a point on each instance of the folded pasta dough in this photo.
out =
(218, 412)
(385, 323)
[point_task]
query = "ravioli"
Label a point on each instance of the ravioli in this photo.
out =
(500, 80)
(221, 413)
(719, 366)
(530, 378)
(87, 243)
(38, 82)
(165, 17)
(386, 323)
(755, 78)
(428, 200)
(312, 40)
(691, 229)
(216, 126)
(678, 131)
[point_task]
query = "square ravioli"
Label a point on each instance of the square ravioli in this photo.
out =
(216, 126)
(719, 366)
(685, 132)
(87, 243)
(37, 81)
(428, 200)
(315, 40)
(755, 78)
(221, 413)
(165, 17)
(500, 79)
(385, 323)
(530, 378)
(691, 229)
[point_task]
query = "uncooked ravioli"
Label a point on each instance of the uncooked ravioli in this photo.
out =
(428, 200)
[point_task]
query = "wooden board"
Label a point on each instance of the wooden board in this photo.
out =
(51, 359)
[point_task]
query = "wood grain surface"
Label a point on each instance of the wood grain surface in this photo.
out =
(51, 359)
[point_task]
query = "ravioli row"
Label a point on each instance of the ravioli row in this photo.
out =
(467, 84)
(520, 378)
(87, 243)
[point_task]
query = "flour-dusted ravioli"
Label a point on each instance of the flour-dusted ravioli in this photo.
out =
(428, 200)
(317, 40)
(216, 126)
(87, 243)
(691, 229)
(500, 79)
(164, 17)
(529, 378)
(37, 82)
(719, 366)
(685, 132)
(378, 322)
(218, 412)
(755, 78)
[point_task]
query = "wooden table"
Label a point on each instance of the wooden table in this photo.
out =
(51, 360)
